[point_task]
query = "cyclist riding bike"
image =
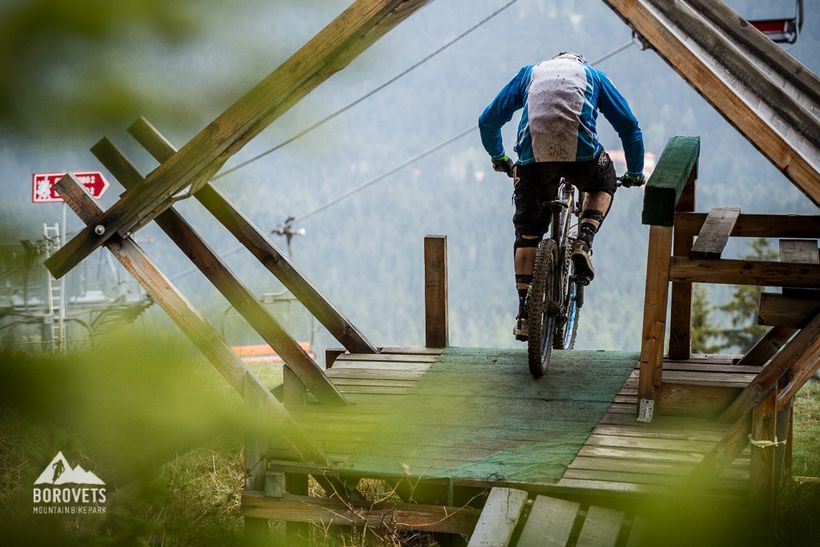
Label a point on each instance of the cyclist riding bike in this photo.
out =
(557, 138)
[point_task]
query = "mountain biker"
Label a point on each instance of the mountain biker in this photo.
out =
(556, 138)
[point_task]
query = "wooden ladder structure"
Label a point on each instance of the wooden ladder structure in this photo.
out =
(185, 173)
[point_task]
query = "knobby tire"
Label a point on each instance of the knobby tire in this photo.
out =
(541, 317)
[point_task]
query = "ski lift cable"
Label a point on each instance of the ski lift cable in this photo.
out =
(367, 95)
(386, 174)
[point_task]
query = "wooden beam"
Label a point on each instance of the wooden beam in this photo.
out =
(654, 319)
(601, 527)
(725, 451)
(261, 247)
(745, 272)
(550, 523)
(192, 324)
(688, 60)
(680, 316)
(714, 234)
(332, 49)
(393, 516)
(804, 347)
(499, 518)
(800, 373)
(761, 465)
(766, 347)
(758, 44)
(801, 251)
(678, 161)
(435, 291)
(752, 225)
(240, 297)
(784, 311)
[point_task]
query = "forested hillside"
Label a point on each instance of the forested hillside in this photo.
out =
(365, 252)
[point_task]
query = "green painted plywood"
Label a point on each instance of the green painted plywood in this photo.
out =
(478, 414)
(679, 158)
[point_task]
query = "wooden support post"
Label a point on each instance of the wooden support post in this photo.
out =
(725, 451)
(680, 321)
(297, 533)
(361, 24)
(191, 323)
(761, 465)
(435, 291)
(294, 391)
(654, 320)
(256, 529)
(801, 353)
(766, 347)
(261, 247)
(189, 242)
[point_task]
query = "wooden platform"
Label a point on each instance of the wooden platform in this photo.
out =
(477, 418)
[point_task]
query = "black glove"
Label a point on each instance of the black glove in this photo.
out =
(504, 165)
(629, 181)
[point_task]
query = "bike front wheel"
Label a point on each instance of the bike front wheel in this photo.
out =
(542, 307)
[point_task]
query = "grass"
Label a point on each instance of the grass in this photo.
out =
(806, 444)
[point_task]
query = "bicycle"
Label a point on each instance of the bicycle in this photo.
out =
(555, 296)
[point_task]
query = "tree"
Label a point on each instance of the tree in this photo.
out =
(704, 334)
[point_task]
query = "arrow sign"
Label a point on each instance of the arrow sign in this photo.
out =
(42, 185)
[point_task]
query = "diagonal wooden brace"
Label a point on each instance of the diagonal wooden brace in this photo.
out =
(260, 246)
(191, 322)
(189, 242)
(361, 24)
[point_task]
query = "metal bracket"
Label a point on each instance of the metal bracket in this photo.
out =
(646, 410)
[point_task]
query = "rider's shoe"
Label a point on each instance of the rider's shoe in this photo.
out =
(582, 259)
(521, 329)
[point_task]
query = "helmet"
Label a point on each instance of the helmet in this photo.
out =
(571, 55)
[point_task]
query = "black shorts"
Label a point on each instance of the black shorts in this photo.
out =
(537, 183)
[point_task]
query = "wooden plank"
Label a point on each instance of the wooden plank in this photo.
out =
(700, 401)
(654, 314)
(677, 162)
(745, 272)
(650, 443)
(756, 225)
(332, 49)
(638, 533)
(754, 42)
(714, 234)
(601, 527)
(650, 479)
(801, 251)
(549, 524)
(643, 455)
(240, 297)
(739, 470)
(499, 518)
(261, 247)
(388, 359)
(766, 347)
(805, 347)
(801, 372)
(435, 291)
(680, 315)
(392, 516)
(761, 467)
(709, 81)
(191, 323)
(777, 310)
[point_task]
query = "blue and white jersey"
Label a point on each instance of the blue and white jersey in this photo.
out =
(561, 98)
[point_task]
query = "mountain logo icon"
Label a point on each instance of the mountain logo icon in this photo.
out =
(59, 471)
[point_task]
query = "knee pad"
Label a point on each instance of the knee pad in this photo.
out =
(593, 214)
(523, 279)
(521, 241)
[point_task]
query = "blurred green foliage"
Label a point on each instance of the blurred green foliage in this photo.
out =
(56, 57)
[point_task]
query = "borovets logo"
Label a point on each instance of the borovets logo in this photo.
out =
(62, 489)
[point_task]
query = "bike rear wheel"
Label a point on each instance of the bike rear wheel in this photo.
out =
(566, 328)
(541, 317)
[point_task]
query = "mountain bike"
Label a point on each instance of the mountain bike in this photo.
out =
(555, 296)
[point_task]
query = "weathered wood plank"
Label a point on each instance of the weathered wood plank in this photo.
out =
(755, 225)
(714, 234)
(801, 372)
(394, 516)
(332, 49)
(654, 315)
(549, 524)
(387, 359)
(766, 347)
(777, 310)
(801, 251)
(762, 488)
(632, 477)
(745, 272)
(191, 322)
(672, 172)
(805, 346)
(498, 518)
(240, 297)
(701, 401)
(601, 527)
(680, 320)
(261, 247)
(435, 291)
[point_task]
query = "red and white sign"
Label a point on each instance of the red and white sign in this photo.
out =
(42, 185)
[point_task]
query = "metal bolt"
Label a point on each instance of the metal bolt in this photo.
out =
(99, 229)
